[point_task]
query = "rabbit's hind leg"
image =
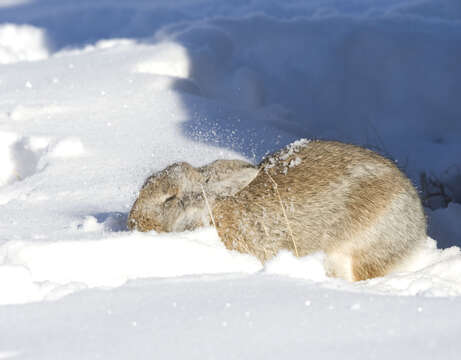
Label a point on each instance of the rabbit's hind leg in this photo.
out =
(365, 268)
(339, 264)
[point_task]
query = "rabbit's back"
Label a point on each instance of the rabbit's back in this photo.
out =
(350, 202)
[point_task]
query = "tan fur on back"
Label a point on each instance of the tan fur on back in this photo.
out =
(349, 202)
(335, 199)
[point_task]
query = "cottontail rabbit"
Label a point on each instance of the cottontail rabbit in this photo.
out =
(347, 201)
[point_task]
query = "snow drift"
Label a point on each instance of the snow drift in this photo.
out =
(22, 43)
(95, 96)
(80, 131)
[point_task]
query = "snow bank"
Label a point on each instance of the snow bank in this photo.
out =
(169, 59)
(32, 271)
(48, 270)
(371, 79)
(80, 131)
(136, 85)
(308, 267)
(430, 272)
(22, 43)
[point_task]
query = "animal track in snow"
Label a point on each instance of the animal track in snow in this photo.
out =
(20, 156)
(23, 156)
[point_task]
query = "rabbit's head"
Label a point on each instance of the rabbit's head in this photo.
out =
(180, 197)
(166, 199)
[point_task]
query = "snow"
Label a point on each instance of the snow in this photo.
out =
(308, 267)
(445, 225)
(49, 265)
(96, 96)
(285, 154)
(430, 272)
(22, 43)
(268, 318)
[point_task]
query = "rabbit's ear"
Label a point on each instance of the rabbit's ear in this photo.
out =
(184, 177)
(174, 178)
(227, 177)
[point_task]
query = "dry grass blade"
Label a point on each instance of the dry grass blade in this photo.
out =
(284, 213)
(208, 206)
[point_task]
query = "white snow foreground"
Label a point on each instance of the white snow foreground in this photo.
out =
(33, 271)
(74, 153)
(48, 270)
(95, 96)
(230, 317)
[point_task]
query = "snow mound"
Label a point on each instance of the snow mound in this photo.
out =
(169, 59)
(48, 270)
(431, 272)
(22, 43)
(99, 45)
(40, 270)
(20, 279)
(308, 267)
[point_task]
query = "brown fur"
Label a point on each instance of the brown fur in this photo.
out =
(349, 202)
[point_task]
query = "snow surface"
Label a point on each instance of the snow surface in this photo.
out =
(21, 43)
(95, 96)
